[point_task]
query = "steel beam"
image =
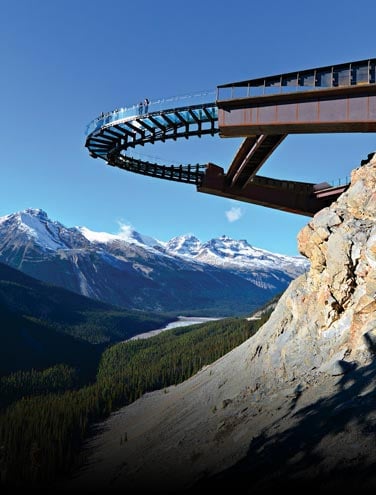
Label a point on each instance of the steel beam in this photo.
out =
(348, 109)
(295, 197)
(251, 157)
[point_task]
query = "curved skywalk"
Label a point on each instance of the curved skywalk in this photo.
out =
(263, 111)
(114, 135)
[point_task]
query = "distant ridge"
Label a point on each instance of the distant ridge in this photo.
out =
(42, 325)
(220, 277)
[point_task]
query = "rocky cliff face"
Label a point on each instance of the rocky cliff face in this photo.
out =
(293, 405)
(325, 318)
(341, 244)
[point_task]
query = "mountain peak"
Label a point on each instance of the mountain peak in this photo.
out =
(185, 245)
(35, 212)
(148, 271)
(35, 225)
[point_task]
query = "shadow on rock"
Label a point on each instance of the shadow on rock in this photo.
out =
(330, 446)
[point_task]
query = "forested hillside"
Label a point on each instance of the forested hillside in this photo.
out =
(42, 433)
(70, 313)
(42, 325)
(28, 343)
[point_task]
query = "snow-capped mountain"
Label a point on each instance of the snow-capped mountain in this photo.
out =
(221, 276)
(126, 235)
(238, 256)
(184, 245)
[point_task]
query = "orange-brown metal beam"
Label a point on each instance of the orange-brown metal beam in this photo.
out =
(251, 157)
(348, 109)
(246, 145)
(295, 197)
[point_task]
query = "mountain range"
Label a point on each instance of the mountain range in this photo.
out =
(220, 277)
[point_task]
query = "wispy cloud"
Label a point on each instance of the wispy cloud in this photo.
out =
(234, 213)
(125, 230)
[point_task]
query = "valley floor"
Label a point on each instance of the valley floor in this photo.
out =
(212, 430)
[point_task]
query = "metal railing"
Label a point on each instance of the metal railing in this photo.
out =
(140, 109)
(340, 181)
(350, 74)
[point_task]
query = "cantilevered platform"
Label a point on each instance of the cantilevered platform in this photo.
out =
(338, 98)
(114, 136)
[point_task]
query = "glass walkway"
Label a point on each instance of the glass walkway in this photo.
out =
(336, 98)
(113, 136)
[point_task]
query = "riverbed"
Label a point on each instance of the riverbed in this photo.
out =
(182, 321)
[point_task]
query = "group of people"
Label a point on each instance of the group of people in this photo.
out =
(143, 107)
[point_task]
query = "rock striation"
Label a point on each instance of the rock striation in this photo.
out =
(292, 406)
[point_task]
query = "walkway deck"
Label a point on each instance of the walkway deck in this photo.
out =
(338, 98)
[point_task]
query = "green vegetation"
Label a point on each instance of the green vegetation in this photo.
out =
(56, 379)
(43, 325)
(70, 313)
(41, 435)
(28, 344)
(170, 357)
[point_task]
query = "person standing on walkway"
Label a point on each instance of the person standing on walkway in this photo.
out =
(146, 105)
(140, 107)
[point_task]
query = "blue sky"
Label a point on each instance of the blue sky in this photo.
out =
(63, 62)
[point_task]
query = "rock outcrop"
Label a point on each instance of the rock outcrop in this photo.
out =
(294, 404)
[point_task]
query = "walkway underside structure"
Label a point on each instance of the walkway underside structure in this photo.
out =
(339, 98)
(295, 197)
(114, 139)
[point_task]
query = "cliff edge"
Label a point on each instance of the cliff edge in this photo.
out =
(295, 405)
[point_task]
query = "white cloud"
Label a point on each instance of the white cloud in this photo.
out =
(125, 231)
(234, 213)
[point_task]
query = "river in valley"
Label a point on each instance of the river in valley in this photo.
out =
(182, 321)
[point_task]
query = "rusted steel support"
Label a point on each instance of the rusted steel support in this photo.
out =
(240, 156)
(349, 109)
(295, 197)
(251, 157)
